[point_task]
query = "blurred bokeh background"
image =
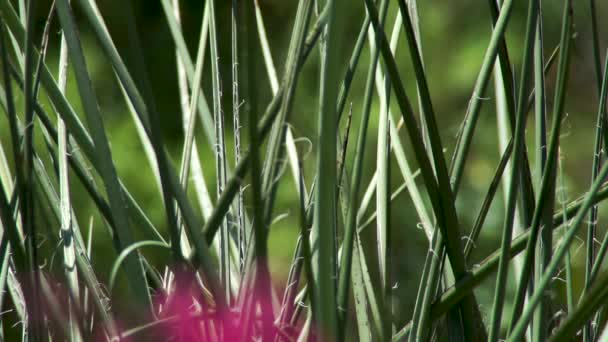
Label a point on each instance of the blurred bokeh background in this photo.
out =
(454, 37)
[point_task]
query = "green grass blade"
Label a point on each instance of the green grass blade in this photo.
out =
(358, 284)
(262, 294)
(26, 188)
(10, 226)
(69, 252)
(371, 287)
(4, 259)
(324, 229)
(360, 299)
(568, 263)
(188, 150)
(475, 102)
(415, 136)
(107, 172)
(443, 204)
(125, 253)
(593, 215)
(82, 260)
(148, 115)
(274, 85)
(184, 57)
(235, 26)
(562, 249)
(173, 189)
(597, 63)
(597, 296)
(350, 227)
(76, 128)
(196, 169)
(264, 127)
(489, 264)
(547, 190)
(219, 148)
(505, 83)
(383, 192)
(276, 149)
(11, 230)
(516, 174)
(352, 64)
(543, 314)
(433, 264)
(487, 202)
(596, 260)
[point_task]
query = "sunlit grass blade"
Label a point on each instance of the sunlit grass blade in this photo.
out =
(306, 253)
(4, 259)
(108, 172)
(409, 184)
(186, 60)
(63, 151)
(264, 127)
(235, 26)
(149, 119)
(276, 148)
(148, 116)
(80, 168)
(10, 226)
(190, 159)
(274, 85)
(200, 186)
(125, 253)
(5, 178)
(10, 230)
(75, 156)
(69, 252)
(383, 192)
(219, 147)
(82, 261)
(364, 223)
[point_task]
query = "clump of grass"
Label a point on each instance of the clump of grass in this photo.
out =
(213, 280)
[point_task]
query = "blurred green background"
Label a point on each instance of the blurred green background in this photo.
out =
(454, 37)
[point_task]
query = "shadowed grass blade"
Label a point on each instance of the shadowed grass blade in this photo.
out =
(516, 173)
(546, 193)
